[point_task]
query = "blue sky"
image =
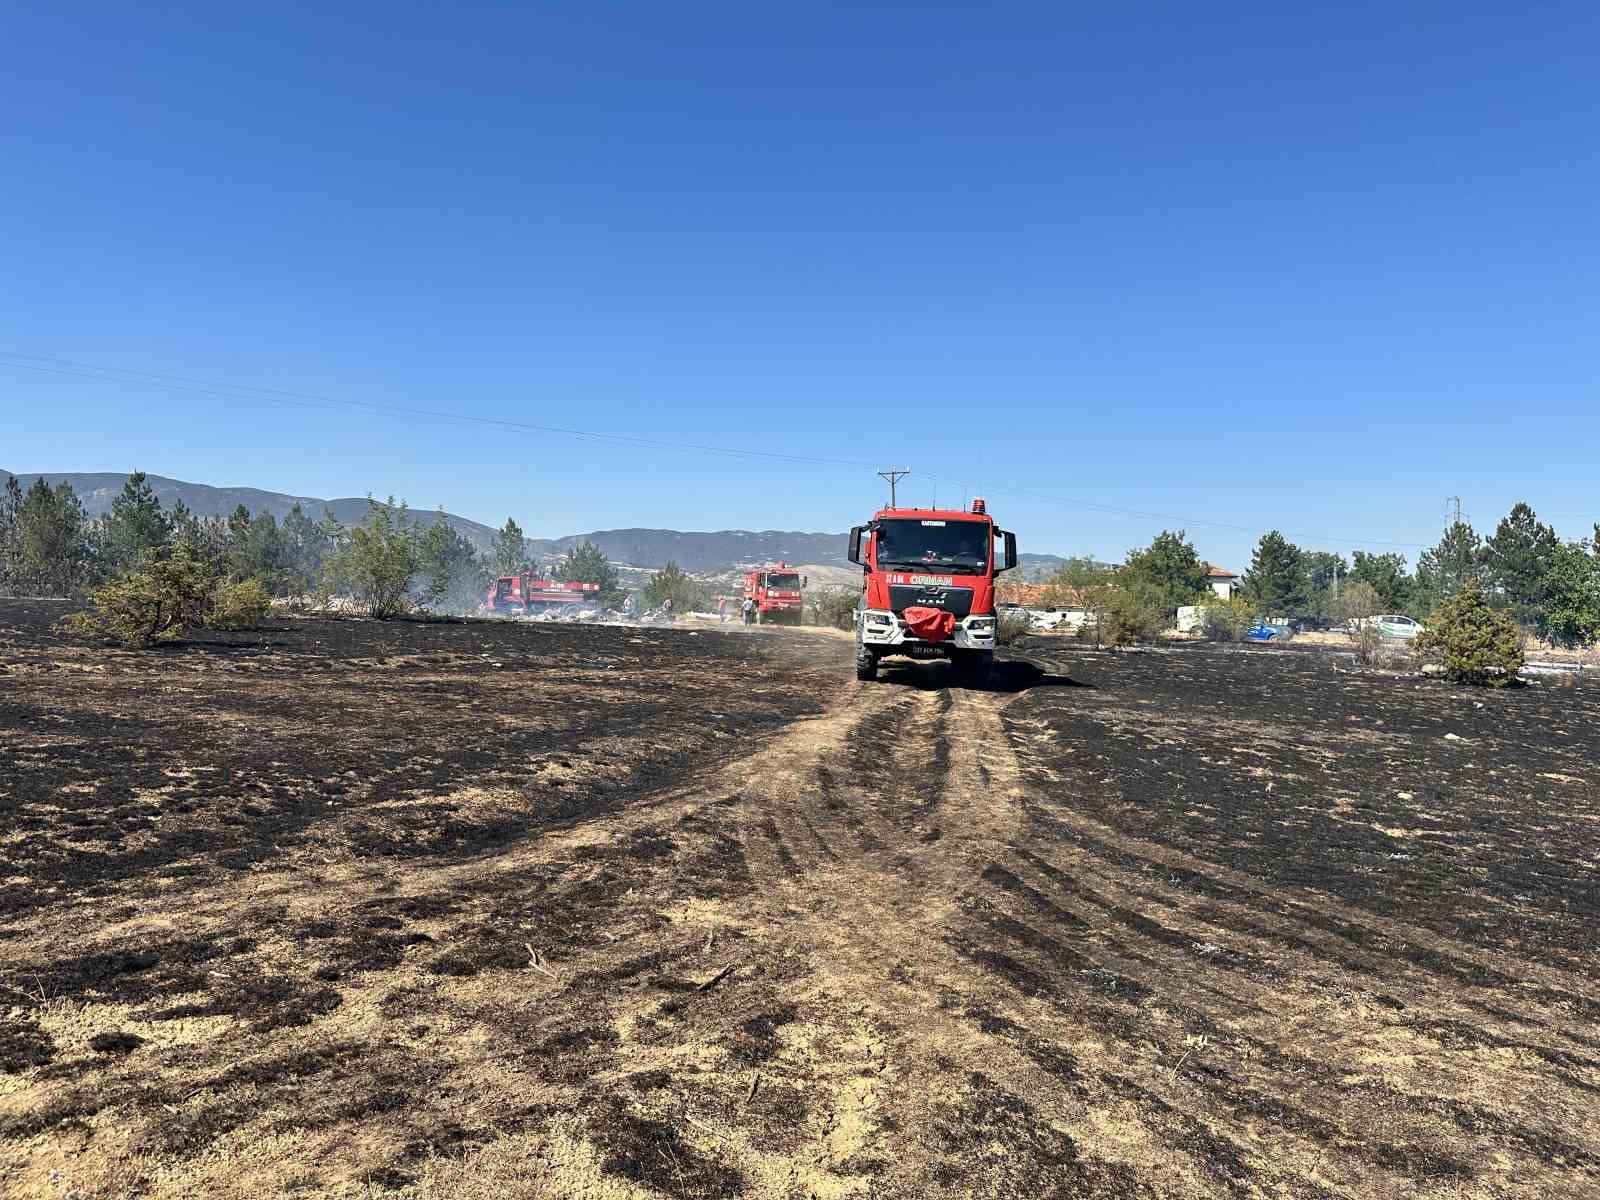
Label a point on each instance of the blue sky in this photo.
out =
(1306, 267)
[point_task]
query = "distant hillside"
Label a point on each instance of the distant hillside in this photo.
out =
(1038, 565)
(97, 489)
(700, 552)
(715, 551)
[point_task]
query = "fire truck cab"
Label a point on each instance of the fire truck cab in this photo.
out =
(506, 594)
(778, 593)
(928, 587)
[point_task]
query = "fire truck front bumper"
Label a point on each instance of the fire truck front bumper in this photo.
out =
(883, 629)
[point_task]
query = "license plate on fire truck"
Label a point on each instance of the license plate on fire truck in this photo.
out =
(924, 650)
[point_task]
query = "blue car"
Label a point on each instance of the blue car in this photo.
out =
(1263, 632)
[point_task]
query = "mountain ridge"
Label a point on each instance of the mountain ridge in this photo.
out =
(693, 550)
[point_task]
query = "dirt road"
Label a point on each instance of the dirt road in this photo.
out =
(1181, 924)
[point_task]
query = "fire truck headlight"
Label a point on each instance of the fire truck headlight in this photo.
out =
(981, 624)
(878, 618)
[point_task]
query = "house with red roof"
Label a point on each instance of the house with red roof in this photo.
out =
(1224, 583)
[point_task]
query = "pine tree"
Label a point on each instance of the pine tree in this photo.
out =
(1387, 576)
(1518, 558)
(134, 528)
(1276, 580)
(1323, 571)
(450, 575)
(184, 524)
(509, 554)
(51, 540)
(10, 513)
(587, 563)
(305, 547)
(1477, 643)
(256, 549)
(671, 582)
(1448, 567)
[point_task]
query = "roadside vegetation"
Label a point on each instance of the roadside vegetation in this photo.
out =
(1523, 575)
(1228, 620)
(1010, 627)
(393, 563)
(834, 608)
(673, 583)
(152, 572)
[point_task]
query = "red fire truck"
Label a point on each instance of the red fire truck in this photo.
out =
(523, 593)
(929, 587)
(777, 593)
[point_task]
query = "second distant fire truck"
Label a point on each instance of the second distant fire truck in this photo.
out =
(525, 594)
(777, 592)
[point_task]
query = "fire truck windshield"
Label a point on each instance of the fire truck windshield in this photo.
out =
(952, 544)
(783, 582)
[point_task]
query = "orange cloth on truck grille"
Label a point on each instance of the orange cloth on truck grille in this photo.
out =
(929, 624)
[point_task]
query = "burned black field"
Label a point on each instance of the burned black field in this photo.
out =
(459, 910)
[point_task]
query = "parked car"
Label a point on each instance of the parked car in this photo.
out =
(1398, 625)
(1262, 631)
(1389, 625)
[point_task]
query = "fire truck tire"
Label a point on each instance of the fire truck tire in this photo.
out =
(974, 667)
(866, 664)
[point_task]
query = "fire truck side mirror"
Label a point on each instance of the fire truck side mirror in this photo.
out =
(1011, 549)
(855, 544)
(803, 582)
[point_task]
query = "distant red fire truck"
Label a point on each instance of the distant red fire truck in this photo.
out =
(525, 594)
(777, 592)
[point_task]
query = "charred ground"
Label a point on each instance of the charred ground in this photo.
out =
(481, 908)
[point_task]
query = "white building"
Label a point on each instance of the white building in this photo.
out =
(1223, 582)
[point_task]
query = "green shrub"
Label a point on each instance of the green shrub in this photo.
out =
(1476, 643)
(154, 603)
(834, 607)
(378, 562)
(687, 593)
(240, 605)
(1227, 620)
(1010, 626)
(1571, 608)
(1369, 644)
(1126, 616)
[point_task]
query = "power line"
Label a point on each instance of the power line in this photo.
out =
(232, 391)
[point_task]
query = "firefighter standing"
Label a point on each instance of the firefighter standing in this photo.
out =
(749, 610)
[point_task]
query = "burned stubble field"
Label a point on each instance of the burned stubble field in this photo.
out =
(468, 910)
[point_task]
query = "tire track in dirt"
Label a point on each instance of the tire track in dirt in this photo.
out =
(1247, 1012)
(938, 969)
(1294, 973)
(1412, 964)
(885, 937)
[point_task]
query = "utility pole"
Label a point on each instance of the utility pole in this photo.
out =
(894, 476)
